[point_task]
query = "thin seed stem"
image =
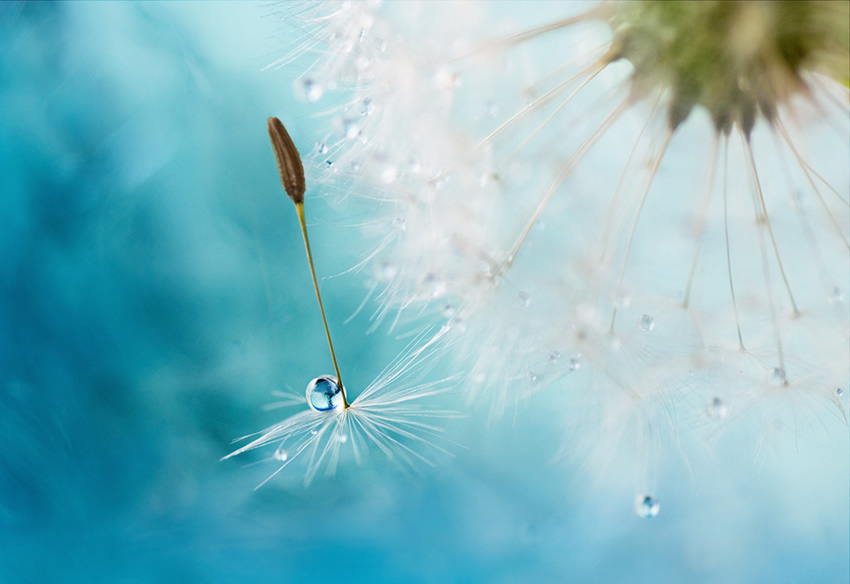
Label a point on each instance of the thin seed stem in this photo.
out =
(292, 176)
(299, 208)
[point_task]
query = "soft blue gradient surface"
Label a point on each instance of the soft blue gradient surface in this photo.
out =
(154, 292)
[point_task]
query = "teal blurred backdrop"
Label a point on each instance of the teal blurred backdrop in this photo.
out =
(154, 293)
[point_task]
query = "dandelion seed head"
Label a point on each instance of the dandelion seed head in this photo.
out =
(739, 60)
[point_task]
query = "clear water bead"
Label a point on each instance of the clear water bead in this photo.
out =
(365, 108)
(532, 377)
(324, 394)
(647, 323)
(575, 362)
(448, 311)
(310, 90)
(717, 408)
(322, 148)
(280, 454)
(555, 356)
(839, 392)
(523, 299)
(350, 129)
(835, 295)
(647, 506)
(389, 174)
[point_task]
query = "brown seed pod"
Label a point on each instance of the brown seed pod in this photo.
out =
(288, 161)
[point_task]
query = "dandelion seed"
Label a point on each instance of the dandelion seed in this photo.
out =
(385, 414)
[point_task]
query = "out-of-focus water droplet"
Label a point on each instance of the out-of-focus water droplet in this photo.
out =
(322, 148)
(490, 108)
(324, 394)
(309, 90)
(777, 377)
(839, 392)
(389, 174)
(717, 408)
(523, 299)
(365, 108)
(280, 454)
(342, 438)
(647, 323)
(435, 287)
(647, 506)
(575, 362)
(350, 128)
(355, 166)
(386, 271)
(554, 356)
(532, 377)
(314, 431)
(448, 311)
(483, 179)
(835, 295)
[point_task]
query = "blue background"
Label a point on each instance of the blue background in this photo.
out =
(153, 293)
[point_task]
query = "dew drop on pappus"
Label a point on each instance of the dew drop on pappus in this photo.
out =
(647, 323)
(324, 394)
(280, 454)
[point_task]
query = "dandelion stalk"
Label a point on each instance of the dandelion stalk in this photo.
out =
(292, 176)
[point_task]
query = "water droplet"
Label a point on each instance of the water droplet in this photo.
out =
(647, 323)
(280, 454)
(523, 299)
(324, 394)
(329, 163)
(309, 90)
(365, 108)
(342, 438)
(448, 311)
(554, 357)
(389, 174)
(835, 295)
(532, 377)
(777, 377)
(575, 362)
(386, 271)
(647, 506)
(355, 166)
(314, 431)
(434, 285)
(717, 408)
(839, 392)
(490, 108)
(414, 167)
(322, 148)
(350, 129)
